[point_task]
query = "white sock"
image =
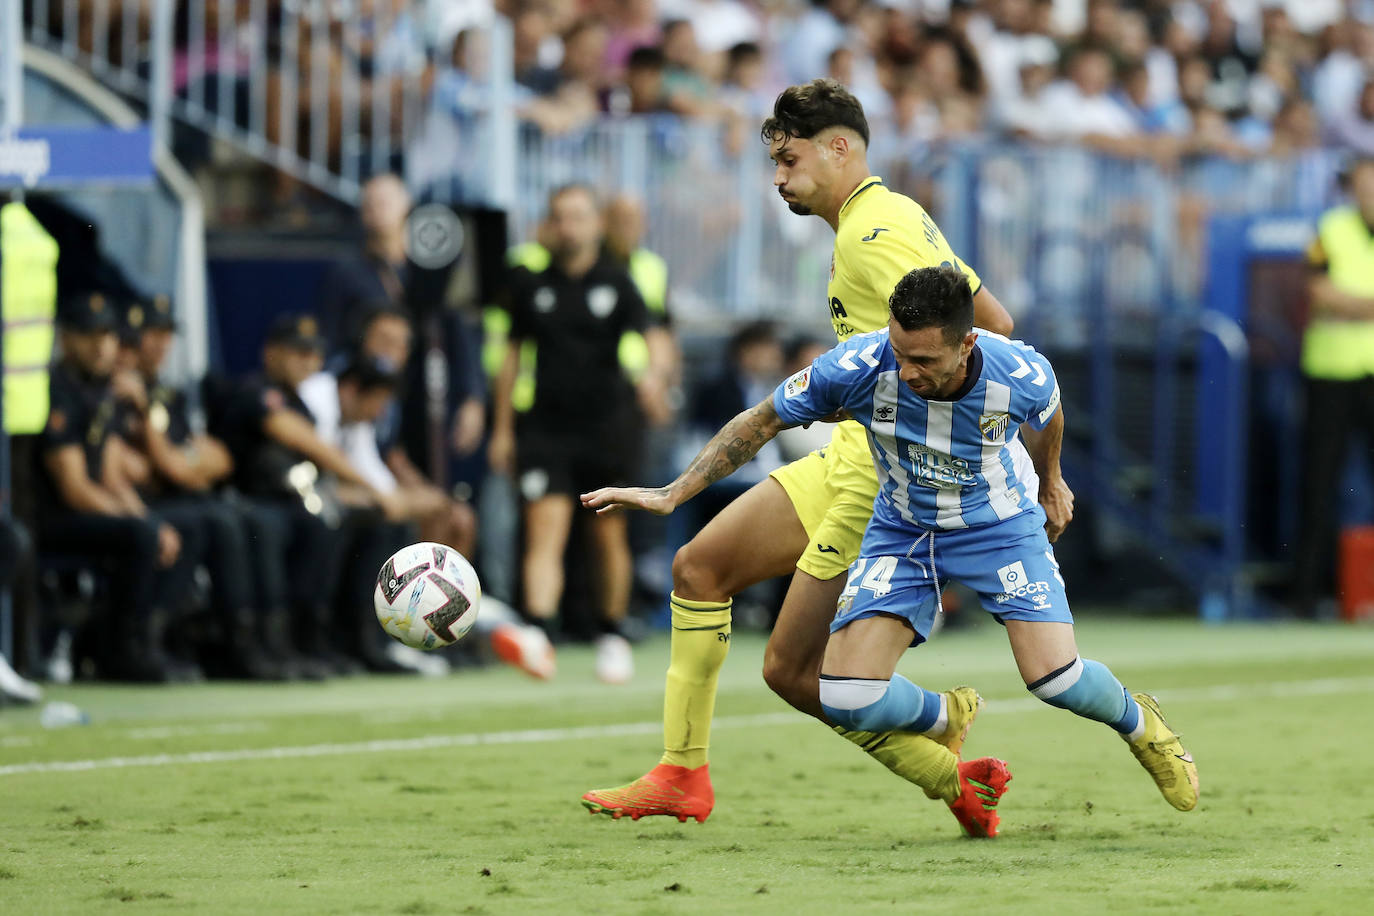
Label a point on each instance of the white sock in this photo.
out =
(941, 721)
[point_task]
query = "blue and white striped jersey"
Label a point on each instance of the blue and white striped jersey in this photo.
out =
(942, 464)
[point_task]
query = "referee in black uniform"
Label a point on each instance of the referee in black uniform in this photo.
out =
(584, 430)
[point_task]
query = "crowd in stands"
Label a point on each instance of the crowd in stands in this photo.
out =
(1154, 78)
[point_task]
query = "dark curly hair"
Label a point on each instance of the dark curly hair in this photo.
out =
(934, 297)
(805, 110)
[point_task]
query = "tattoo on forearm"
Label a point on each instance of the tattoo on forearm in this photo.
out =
(731, 448)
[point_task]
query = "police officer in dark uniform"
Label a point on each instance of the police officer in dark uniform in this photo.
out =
(89, 513)
(184, 468)
(583, 430)
(280, 468)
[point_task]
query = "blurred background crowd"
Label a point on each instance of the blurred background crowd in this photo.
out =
(224, 466)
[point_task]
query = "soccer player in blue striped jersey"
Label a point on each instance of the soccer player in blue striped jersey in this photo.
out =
(941, 401)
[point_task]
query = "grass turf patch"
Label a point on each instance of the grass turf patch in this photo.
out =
(804, 822)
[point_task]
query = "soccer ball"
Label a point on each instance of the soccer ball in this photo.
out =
(427, 596)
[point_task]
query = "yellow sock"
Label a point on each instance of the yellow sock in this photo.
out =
(700, 640)
(915, 758)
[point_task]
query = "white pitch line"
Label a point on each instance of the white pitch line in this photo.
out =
(1218, 693)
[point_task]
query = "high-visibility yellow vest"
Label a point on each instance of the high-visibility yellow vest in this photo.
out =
(650, 274)
(495, 336)
(28, 292)
(1334, 349)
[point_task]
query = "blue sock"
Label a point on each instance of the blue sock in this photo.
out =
(866, 705)
(1089, 689)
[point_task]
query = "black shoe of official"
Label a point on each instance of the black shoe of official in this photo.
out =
(135, 662)
(244, 654)
(276, 643)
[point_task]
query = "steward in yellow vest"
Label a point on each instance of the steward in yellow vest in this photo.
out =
(1338, 377)
(28, 291)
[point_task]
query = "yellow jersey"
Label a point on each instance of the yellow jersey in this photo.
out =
(881, 237)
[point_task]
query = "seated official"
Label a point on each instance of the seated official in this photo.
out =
(286, 474)
(182, 468)
(93, 514)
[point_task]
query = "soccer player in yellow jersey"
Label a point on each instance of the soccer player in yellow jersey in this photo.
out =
(810, 515)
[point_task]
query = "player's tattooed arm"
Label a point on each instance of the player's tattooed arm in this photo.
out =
(731, 448)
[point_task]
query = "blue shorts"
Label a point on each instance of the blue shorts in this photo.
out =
(901, 571)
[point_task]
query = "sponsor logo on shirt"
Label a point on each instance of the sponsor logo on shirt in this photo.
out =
(1050, 407)
(994, 426)
(797, 384)
(938, 470)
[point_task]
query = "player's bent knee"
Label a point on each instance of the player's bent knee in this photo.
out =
(696, 579)
(855, 704)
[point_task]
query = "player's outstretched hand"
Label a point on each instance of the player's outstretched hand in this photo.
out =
(1057, 500)
(612, 499)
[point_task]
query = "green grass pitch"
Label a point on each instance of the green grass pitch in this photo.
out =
(387, 795)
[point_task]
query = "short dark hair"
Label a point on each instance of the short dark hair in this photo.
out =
(934, 297)
(743, 51)
(804, 111)
(369, 373)
(645, 57)
(755, 332)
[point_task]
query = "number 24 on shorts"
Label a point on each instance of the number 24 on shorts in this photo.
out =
(877, 580)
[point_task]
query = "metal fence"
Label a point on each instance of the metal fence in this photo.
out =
(325, 90)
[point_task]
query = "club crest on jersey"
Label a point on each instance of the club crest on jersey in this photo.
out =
(797, 384)
(544, 299)
(601, 300)
(994, 426)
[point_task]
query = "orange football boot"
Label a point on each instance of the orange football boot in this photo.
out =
(665, 790)
(982, 783)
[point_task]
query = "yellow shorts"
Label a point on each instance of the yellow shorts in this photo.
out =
(832, 490)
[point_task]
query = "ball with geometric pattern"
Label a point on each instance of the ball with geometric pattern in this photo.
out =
(427, 596)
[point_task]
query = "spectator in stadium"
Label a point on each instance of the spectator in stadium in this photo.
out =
(1354, 130)
(182, 469)
(1082, 107)
(742, 89)
(575, 86)
(632, 24)
(92, 516)
(841, 67)
(642, 92)
(582, 312)
(690, 93)
(1338, 378)
(818, 31)
(380, 274)
(283, 469)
